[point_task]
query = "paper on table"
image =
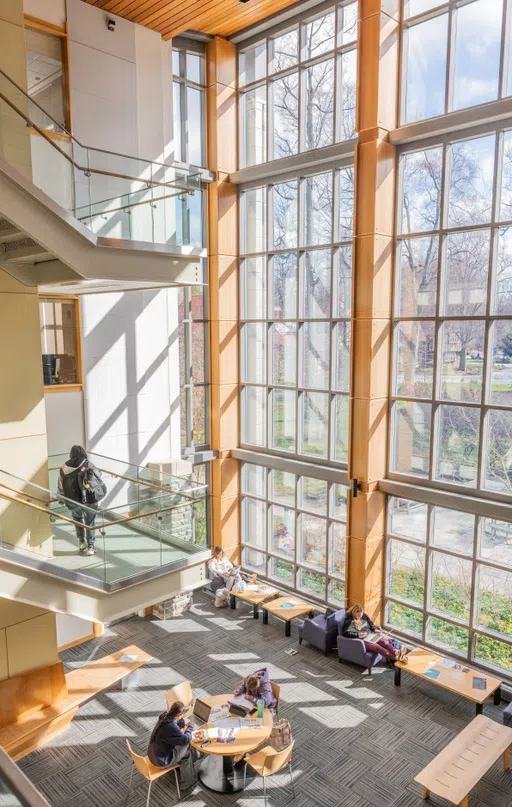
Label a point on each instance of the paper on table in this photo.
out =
(228, 723)
(251, 723)
(128, 659)
(252, 588)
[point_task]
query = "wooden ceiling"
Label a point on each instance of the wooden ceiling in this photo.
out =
(173, 17)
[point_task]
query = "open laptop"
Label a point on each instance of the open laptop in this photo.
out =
(200, 713)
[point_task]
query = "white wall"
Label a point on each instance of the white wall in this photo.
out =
(64, 421)
(71, 628)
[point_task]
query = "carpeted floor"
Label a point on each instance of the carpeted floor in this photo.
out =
(359, 742)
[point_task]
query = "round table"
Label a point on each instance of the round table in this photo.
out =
(218, 771)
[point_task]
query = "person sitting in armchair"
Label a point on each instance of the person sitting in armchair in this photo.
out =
(358, 625)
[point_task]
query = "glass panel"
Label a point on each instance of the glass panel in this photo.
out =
(417, 277)
(284, 199)
(450, 637)
(343, 282)
(284, 51)
(319, 36)
(495, 600)
(502, 302)
(414, 366)
(471, 181)
(59, 342)
(458, 441)
(338, 549)
(177, 122)
(176, 63)
(346, 221)
(253, 110)
(314, 425)
(312, 583)
(493, 652)
(411, 438)
(341, 428)
(45, 78)
(498, 466)
(282, 487)
(280, 570)
(477, 53)
(283, 531)
(318, 209)
(339, 502)
(450, 586)
(318, 99)
(284, 354)
(505, 213)
(283, 269)
(252, 63)
(195, 126)
(422, 182)
(425, 49)
(254, 354)
(253, 479)
(407, 518)
(315, 355)
(413, 7)
(467, 266)
(254, 292)
(462, 359)
(254, 410)
(346, 108)
(405, 619)
(496, 541)
(255, 561)
(254, 220)
(254, 529)
(453, 530)
(501, 352)
(316, 302)
(284, 415)
(195, 68)
(313, 495)
(284, 94)
(341, 380)
(336, 593)
(313, 541)
(406, 571)
(199, 415)
(347, 23)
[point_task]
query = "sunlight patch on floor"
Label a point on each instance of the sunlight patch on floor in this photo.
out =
(276, 673)
(181, 626)
(303, 693)
(232, 656)
(358, 693)
(224, 623)
(335, 717)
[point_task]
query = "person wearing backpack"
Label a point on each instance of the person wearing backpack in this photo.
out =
(80, 481)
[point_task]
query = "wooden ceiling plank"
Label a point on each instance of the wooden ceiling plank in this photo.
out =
(199, 15)
(147, 13)
(179, 11)
(215, 17)
(226, 26)
(124, 8)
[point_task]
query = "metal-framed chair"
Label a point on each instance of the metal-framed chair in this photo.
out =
(149, 771)
(268, 762)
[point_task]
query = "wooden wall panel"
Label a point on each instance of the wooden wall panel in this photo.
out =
(31, 691)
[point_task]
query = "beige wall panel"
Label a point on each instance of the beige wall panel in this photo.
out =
(389, 7)
(11, 613)
(371, 347)
(378, 31)
(225, 477)
(225, 399)
(12, 11)
(4, 667)
(373, 278)
(32, 644)
(365, 560)
(9, 285)
(224, 352)
(369, 429)
(226, 520)
(224, 287)
(221, 108)
(221, 62)
(367, 518)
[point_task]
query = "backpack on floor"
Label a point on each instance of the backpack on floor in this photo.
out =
(221, 598)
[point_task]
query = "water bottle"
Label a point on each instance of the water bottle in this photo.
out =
(261, 707)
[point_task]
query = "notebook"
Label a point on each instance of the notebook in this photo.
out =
(479, 683)
(432, 674)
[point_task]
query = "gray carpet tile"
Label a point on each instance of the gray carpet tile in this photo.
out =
(343, 720)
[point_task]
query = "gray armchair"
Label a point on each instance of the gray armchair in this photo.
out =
(507, 716)
(321, 631)
(353, 650)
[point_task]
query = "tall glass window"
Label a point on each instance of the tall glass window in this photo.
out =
(60, 341)
(189, 119)
(193, 351)
(295, 309)
(298, 87)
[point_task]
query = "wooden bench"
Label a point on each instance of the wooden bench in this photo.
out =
(461, 765)
(35, 728)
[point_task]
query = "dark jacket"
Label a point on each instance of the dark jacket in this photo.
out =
(70, 484)
(264, 690)
(349, 629)
(166, 736)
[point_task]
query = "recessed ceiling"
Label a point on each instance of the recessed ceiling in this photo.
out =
(173, 17)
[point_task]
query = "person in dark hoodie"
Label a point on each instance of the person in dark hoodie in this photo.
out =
(256, 686)
(358, 625)
(71, 487)
(169, 744)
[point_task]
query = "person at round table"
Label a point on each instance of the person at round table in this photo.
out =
(257, 686)
(358, 625)
(225, 574)
(170, 743)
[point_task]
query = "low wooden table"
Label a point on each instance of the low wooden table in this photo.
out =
(218, 771)
(421, 660)
(298, 609)
(255, 598)
(460, 766)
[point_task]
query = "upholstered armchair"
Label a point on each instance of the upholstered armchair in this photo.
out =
(353, 650)
(507, 716)
(321, 631)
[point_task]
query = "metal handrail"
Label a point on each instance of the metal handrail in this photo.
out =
(153, 202)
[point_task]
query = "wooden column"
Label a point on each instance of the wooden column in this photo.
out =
(223, 291)
(373, 269)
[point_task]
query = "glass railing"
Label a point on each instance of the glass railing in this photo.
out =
(146, 521)
(16, 790)
(113, 195)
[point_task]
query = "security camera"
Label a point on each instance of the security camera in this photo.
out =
(111, 24)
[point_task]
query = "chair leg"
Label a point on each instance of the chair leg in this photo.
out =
(130, 782)
(264, 791)
(300, 639)
(149, 793)
(369, 670)
(177, 783)
(291, 779)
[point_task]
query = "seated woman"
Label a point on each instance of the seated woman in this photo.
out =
(256, 686)
(169, 744)
(225, 574)
(357, 625)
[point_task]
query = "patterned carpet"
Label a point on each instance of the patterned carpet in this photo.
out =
(359, 742)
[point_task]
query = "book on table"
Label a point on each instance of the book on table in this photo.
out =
(241, 705)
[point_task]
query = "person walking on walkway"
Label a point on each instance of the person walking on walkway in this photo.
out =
(81, 486)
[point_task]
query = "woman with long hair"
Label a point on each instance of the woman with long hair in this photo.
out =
(358, 625)
(170, 743)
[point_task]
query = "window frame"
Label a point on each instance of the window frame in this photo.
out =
(182, 47)
(36, 24)
(75, 300)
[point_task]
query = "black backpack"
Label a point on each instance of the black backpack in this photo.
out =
(93, 487)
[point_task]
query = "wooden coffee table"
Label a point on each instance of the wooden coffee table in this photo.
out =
(298, 609)
(255, 598)
(461, 683)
